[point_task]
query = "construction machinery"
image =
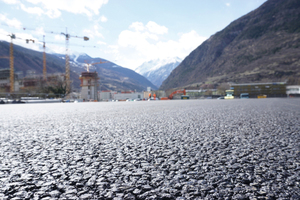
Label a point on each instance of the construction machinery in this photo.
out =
(176, 92)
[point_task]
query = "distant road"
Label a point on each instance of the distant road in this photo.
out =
(179, 149)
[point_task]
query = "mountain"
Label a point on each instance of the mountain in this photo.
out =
(112, 76)
(158, 70)
(262, 46)
(26, 60)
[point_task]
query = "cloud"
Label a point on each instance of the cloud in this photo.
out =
(60, 37)
(3, 35)
(56, 49)
(87, 7)
(101, 43)
(40, 31)
(155, 28)
(227, 4)
(54, 13)
(32, 10)
(144, 42)
(21, 40)
(53, 8)
(137, 26)
(11, 22)
(11, 1)
(191, 40)
(135, 39)
(103, 18)
(94, 32)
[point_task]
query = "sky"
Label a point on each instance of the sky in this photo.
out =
(125, 32)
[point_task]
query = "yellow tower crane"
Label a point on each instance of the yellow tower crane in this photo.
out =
(68, 83)
(88, 65)
(44, 60)
(11, 63)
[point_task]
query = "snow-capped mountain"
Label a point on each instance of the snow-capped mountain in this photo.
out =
(112, 76)
(158, 70)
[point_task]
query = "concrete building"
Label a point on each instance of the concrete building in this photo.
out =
(106, 95)
(275, 89)
(128, 95)
(5, 81)
(89, 86)
(293, 90)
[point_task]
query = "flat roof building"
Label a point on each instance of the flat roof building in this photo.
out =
(293, 90)
(275, 89)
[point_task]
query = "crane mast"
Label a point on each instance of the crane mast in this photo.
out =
(68, 81)
(44, 61)
(11, 63)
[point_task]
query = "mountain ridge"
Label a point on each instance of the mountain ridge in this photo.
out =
(261, 46)
(111, 78)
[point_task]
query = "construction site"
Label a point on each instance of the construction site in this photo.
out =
(56, 85)
(15, 85)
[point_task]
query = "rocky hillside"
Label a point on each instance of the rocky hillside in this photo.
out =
(262, 46)
(112, 76)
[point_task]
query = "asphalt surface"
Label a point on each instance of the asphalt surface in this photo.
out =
(184, 149)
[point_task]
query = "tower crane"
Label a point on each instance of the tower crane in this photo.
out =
(44, 60)
(12, 36)
(88, 65)
(68, 83)
(11, 63)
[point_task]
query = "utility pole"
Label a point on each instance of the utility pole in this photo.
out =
(68, 82)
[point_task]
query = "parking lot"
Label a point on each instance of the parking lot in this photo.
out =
(179, 149)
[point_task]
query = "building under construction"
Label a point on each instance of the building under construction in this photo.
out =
(5, 81)
(32, 82)
(274, 89)
(89, 86)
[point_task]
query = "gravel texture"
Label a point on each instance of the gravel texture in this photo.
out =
(193, 149)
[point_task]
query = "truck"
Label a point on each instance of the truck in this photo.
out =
(229, 94)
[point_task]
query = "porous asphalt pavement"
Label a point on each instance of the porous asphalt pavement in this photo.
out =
(181, 149)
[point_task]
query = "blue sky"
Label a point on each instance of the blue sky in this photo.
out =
(126, 32)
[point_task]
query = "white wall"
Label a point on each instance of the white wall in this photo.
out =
(105, 95)
(293, 89)
(124, 96)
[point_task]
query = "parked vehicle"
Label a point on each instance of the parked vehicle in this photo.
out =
(229, 94)
(244, 95)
